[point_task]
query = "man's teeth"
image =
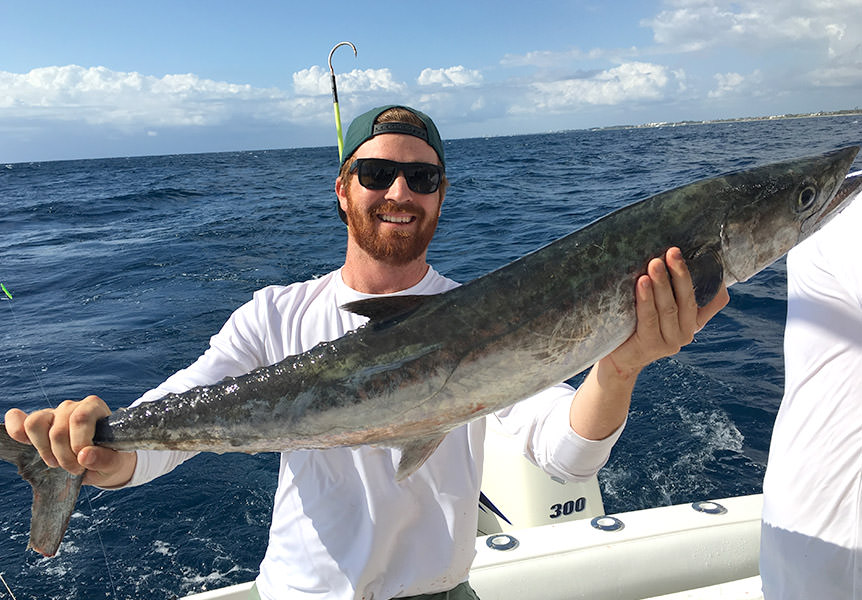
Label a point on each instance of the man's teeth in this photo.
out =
(391, 219)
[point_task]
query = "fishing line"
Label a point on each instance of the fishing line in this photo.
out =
(101, 544)
(1, 574)
(9, 299)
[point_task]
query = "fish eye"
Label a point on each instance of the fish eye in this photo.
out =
(807, 197)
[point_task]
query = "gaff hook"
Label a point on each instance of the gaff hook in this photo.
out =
(335, 95)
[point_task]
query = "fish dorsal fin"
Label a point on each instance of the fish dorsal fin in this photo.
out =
(388, 307)
(707, 273)
(414, 454)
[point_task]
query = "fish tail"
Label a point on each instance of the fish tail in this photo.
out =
(55, 493)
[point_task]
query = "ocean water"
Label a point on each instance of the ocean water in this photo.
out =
(122, 268)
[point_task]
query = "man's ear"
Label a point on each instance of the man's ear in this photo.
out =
(341, 193)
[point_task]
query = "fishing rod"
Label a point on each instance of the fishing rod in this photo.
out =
(335, 95)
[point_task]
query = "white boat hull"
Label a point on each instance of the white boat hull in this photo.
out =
(658, 551)
(671, 552)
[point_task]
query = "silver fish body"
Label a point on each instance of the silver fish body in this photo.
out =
(424, 365)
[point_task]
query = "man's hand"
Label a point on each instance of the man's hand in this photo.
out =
(667, 319)
(667, 315)
(63, 436)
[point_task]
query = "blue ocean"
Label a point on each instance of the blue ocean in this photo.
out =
(122, 268)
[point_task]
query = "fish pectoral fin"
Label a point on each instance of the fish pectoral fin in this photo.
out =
(55, 493)
(414, 454)
(388, 308)
(707, 273)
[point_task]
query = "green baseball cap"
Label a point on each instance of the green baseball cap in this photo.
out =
(363, 128)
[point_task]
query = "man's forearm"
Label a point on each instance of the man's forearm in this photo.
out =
(602, 402)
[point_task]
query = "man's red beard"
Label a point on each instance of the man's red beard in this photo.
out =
(392, 247)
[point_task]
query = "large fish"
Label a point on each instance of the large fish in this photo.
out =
(424, 365)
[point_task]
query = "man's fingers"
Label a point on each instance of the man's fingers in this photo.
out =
(99, 460)
(683, 290)
(82, 422)
(712, 308)
(37, 426)
(14, 423)
(665, 303)
(671, 319)
(59, 434)
(107, 468)
(647, 314)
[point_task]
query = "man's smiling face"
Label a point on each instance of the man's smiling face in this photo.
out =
(394, 225)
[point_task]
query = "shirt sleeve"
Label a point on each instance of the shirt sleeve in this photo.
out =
(541, 426)
(235, 350)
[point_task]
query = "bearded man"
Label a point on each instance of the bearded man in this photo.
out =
(342, 526)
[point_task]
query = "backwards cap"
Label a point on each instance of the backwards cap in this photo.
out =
(363, 128)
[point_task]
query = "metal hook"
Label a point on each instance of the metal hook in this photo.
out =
(334, 48)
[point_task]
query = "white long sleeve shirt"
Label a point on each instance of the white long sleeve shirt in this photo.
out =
(342, 526)
(811, 538)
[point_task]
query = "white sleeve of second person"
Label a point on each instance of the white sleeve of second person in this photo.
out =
(233, 351)
(541, 425)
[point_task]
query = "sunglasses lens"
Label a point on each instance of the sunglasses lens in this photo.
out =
(379, 174)
(422, 179)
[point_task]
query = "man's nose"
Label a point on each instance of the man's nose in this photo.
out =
(399, 187)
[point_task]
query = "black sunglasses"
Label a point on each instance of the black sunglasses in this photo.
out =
(379, 174)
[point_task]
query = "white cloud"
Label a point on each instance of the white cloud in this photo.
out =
(691, 25)
(836, 34)
(844, 70)
(546, 59)
(99, 96)
(317, 81)
(680, 76)
(627, 82)
(457, 76)
(777, 49)
(729, 84)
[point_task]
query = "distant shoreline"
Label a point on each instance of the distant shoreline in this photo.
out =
(836, 113)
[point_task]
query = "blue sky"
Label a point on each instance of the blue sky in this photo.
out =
(94, 79)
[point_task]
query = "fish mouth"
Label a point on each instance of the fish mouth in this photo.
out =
(850, 186)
